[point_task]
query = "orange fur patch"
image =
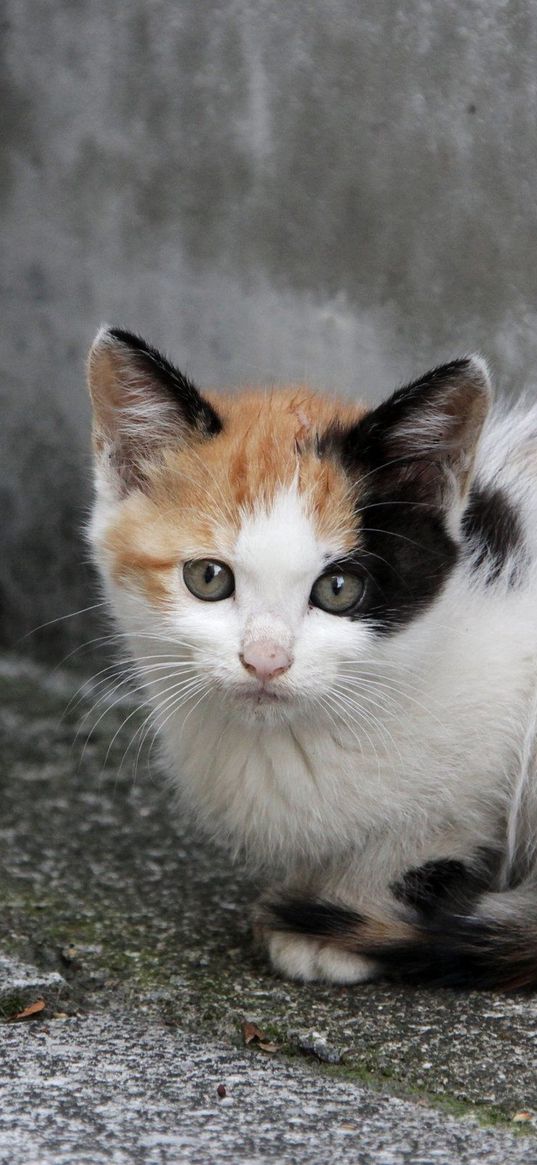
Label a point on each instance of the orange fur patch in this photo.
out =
(197, 493)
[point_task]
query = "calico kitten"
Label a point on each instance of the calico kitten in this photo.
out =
(332, 609)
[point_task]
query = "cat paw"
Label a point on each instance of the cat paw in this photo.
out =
(309, 961)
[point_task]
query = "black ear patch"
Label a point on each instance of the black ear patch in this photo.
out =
(424, 436)
(410, 462)
(195, 410)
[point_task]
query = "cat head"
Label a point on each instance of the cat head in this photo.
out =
(272, 539)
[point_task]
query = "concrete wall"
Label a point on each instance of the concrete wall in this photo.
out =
(342, 190)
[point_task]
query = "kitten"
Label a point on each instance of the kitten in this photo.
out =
(333, 612)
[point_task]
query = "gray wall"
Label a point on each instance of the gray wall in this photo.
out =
(342, 190)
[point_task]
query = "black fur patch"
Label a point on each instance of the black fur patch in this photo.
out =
(404, 555)
(463, 953)
(312, 916)
(442, 956)
(427, 887)
(196, 411)
(407, 556)
(492, 530)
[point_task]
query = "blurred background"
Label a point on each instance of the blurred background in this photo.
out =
(341, 191)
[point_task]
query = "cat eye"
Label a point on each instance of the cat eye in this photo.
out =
(209, 580)
(337, 591)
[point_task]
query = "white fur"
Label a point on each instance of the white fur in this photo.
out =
(427, 753)
(308, 959)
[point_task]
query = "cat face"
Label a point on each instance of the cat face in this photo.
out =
(270, 541)
(245, 605)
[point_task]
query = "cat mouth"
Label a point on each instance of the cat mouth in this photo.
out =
(260, 696)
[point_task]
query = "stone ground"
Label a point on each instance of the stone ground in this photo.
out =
(134, 933)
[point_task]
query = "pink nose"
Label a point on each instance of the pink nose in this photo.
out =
(265, 659)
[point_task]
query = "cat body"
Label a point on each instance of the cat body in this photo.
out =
(331, 610)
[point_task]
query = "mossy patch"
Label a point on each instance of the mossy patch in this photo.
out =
(11, 1004)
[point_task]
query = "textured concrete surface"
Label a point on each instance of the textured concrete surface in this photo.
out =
(135, 933)
(343, 192)
(128, 1091)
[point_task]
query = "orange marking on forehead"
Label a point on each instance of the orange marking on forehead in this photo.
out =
(267, 441)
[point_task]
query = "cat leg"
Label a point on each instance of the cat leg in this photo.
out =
(429, 925)
(308, 959)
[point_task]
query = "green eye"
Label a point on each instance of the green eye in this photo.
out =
(208, 580)
(337, 591)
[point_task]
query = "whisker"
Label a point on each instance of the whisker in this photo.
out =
(62, 618)
(381, 725)
(395, 534)
(369, 693)
(407, 504)
(176, 704)
(136, 669)
(396, 461)
(128, 682)
(389, 685)
(138, 732)
(371, 719)
(108, 709)
(114, 638)
(171, 690)
(350, 728)
(205, 693)
(174, 700)
(322, 701)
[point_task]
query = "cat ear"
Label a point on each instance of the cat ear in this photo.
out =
(141, 403)
(423, 439)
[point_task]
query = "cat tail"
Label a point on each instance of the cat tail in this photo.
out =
(439, 929)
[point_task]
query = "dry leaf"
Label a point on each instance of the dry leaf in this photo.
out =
(27, 1012)
(252, 1034)
(522, 1116)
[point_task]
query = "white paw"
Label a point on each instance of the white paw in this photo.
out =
(309, 960)
(342, 967)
